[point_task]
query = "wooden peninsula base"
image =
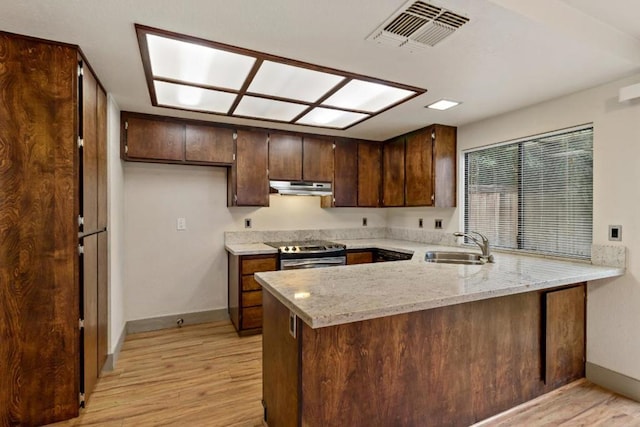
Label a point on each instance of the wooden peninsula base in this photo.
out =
(453, 365)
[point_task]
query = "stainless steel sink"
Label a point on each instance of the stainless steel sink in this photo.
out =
(465, 258)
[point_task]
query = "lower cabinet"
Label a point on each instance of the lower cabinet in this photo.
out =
(359, 257)
(245, 293)
(459, 364)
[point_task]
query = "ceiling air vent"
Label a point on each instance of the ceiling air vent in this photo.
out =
(418, 24)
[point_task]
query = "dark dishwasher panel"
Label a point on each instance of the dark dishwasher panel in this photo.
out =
(383, 255)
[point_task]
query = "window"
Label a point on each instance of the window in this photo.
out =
(534, 194)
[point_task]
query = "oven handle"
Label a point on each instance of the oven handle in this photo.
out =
(312, 263)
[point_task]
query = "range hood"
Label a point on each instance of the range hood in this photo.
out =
(301, 188)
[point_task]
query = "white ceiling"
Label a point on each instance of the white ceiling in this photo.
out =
(511, 54)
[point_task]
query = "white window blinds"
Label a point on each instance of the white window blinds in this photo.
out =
(535, 195)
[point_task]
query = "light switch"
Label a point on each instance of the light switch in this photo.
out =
(615, 233)
(181, 224)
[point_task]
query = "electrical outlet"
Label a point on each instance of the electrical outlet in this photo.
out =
(181, 224)
(247, 223)
(364, 221)
(420, 223)
(438, 224)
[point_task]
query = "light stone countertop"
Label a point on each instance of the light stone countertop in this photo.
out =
(332, 296)
(250, 249)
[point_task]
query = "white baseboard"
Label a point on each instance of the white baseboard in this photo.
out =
(614, 381)
(167, 322)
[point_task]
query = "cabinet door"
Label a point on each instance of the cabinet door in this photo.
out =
(209, 144)
(369, 158)
(317, 159)
(345, 182)
(89, 178)
(252, 183)
(359, 257)
(419, 154)
(565, 335)
(89, 286)
(154, 139)
(103, 298)
(285, 157)
(102, 159)
(444, 160)
(393, 176)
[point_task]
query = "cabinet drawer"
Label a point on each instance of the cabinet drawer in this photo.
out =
(250, 266)
(359, 257)
(252, 298)
(249, 283)
(252, 317)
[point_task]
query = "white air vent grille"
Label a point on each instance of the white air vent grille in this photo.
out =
(418, 24)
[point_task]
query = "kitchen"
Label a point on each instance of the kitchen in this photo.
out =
(157, 272)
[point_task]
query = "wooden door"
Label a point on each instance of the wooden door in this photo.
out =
(154, 139)
(89, 309)
(285, 157)
(345, 182)
(209, 144)
(393, 173)
(90, 149)
(317, 159)
(369, 174)
(251, 181)
(38, 230)
(101, 137)
(419, 167)
(444, 166)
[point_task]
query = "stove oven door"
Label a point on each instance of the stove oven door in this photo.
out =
(293, 264)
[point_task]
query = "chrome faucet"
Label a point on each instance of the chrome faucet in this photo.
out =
(483, 243)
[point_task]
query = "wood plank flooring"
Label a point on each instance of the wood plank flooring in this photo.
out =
(205, 375)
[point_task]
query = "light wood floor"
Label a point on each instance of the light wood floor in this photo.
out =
(205, 375)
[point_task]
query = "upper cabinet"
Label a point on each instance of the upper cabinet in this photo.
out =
(317, 159)
(393, 179)
(157, 139)
(421, 167)
(285, 157)
(369, 174)
(345, 182)
(247, 180)
(208, 144)
(296, 158)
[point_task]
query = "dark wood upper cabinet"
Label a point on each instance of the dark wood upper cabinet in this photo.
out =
(427, 170)
(369, 174)
(345, 182)
(393, 173)
(317, 159)
(154, 139)
(89, 102)
(249, 183)
(285, 157)
(419, 161)
(209, 144)
(102, 159)
(444, 166)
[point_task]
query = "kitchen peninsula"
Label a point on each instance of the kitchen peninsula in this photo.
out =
(415, 343)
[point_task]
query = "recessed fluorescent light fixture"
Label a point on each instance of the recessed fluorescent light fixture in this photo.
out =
(443, 104)
(190, 73)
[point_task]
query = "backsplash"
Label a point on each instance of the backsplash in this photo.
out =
(414, 235)
(609, 255)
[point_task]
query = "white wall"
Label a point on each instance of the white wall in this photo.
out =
(116, 226)
(170, 272)
(409, 218)
(613, 311)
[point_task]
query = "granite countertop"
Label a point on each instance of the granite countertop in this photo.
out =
(250, 249)
(332, 296)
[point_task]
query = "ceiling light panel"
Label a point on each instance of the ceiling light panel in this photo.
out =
(193, 98)
(194, 63)
(328, 117)
(367, 96)
(288, 81)
(270, 109)
(443, 104)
